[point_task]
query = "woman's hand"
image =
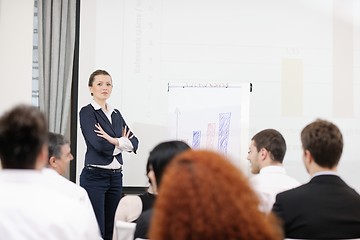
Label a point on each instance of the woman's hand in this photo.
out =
(101, 133)
(126, 132)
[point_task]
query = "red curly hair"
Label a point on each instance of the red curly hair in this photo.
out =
(203, 196)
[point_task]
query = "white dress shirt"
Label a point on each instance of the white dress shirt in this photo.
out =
(269, 182)
(33, 208)
(72, 190)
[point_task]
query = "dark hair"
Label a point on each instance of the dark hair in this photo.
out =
(161, 155)
(23, 132)
(94, 74)
(56, 141)
(324, 141)
(204, 196)
(273, 142)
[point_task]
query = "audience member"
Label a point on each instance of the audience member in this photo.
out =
(59, 156)
(158, 160)
(326, 207)
(59, 153)
(131, 206)
(266, 154)
(29, 207)
(203, 196)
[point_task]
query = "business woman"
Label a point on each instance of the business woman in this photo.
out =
(106, 135)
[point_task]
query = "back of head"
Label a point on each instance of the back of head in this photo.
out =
(203, 196)
(161, 156)
(23, 133)
(324, 141)
(273, 142)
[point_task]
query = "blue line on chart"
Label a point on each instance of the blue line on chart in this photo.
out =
(196, 139)
(224, 128)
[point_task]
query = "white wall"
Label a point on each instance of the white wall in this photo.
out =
(302, 56)
(16, 44)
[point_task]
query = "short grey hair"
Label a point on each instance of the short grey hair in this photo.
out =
(56, 141)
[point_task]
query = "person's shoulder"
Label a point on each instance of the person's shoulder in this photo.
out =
(87, 107)
(76, 213)
(258, 180)
(51, 211)
(294, 193)
(117, 111)
(292, 181)
(130, 200)
(63, 185)
(129, 208)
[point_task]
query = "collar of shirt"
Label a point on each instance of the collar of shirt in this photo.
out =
(273, 169)
(96, 106)
(325, 173)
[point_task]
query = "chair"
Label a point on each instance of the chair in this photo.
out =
(124, 230)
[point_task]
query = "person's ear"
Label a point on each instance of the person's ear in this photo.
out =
(52, 162)
(263, 154)
(308, 158)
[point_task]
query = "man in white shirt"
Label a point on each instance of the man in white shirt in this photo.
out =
(266, 153)
(31, 207)
(59, 153)
(59, 156)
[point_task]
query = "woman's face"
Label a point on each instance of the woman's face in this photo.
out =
(151, 176)
(101, 87)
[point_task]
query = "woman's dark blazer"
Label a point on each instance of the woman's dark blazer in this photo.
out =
(100, 151)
